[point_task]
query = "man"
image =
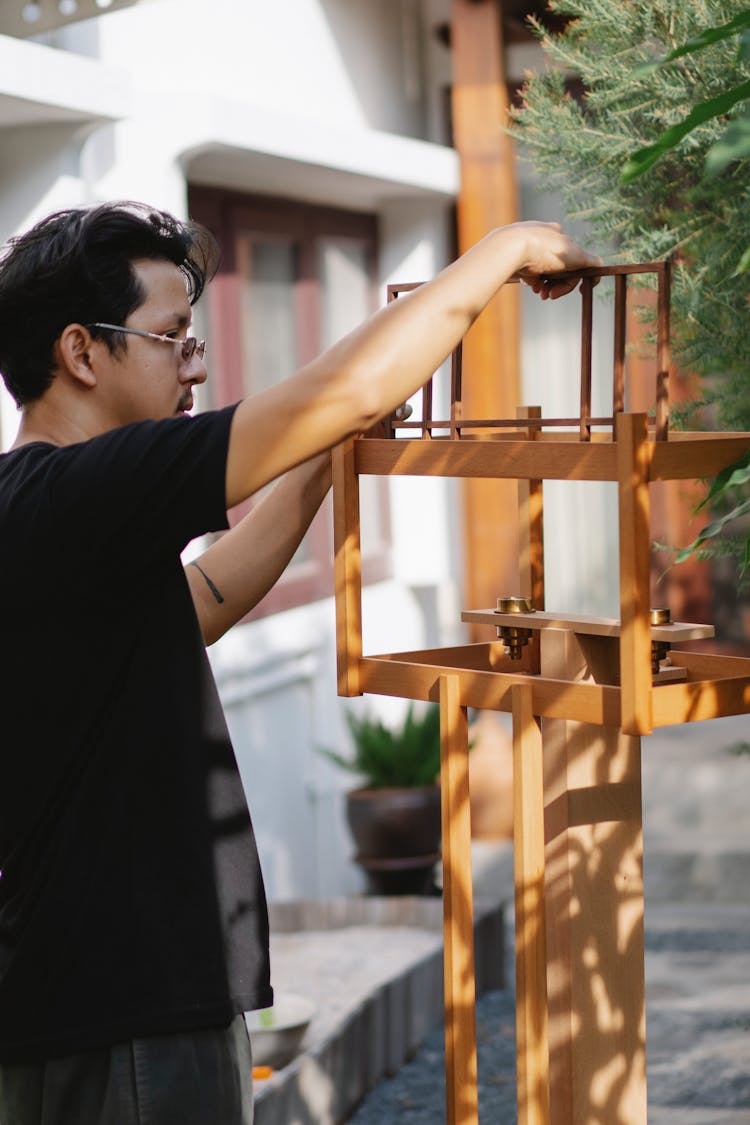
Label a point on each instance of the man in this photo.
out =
(133, 927)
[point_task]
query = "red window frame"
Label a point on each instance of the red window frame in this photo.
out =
(228, 215)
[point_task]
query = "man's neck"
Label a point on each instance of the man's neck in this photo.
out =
(44, 421)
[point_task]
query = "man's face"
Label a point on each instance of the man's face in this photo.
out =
(149, 378)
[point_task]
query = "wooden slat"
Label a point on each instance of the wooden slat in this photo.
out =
(509, 459)
(427, 410)
(457, 360)
(458, 920)
(621, 312)
(706, 699)
(607, 271)
(635, 544)
(508, 424)
(587, 325)
(531, 538)
(706, 457)
(662, 352)
(347, 568)
(532, 1045)
(713, 665)
(408, 679)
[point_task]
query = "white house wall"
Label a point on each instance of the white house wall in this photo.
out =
(333, 101)
(316, 99)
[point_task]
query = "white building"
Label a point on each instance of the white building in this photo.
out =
(312, 135)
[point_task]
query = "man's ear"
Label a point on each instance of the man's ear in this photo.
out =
(74, 353)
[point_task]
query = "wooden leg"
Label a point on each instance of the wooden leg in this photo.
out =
(458, 921)
(594, 908)
(635, 546)
(532, 1047)
(347, 568)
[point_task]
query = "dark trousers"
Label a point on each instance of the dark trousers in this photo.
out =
(195, 1078)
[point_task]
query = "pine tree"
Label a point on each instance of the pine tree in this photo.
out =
(580, 145)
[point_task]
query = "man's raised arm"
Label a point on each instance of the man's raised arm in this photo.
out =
(384, 361)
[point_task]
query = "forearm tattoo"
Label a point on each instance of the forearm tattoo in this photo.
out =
(209, 583)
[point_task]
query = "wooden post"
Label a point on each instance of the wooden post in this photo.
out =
(347, 568)
(531, 538)
(587, 339)
(491, 349)
(621, 319)
(635, 546)
(458, 914)
(532, 1044)
(594, 903)
(663, 351)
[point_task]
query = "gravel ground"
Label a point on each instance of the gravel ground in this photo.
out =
(416, 1095)
(698, 1033)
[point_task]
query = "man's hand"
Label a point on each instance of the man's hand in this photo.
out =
(548, 252)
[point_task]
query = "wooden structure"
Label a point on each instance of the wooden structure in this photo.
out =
(487, 198)
(581, 692)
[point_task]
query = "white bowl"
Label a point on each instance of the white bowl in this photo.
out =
(277, 1032)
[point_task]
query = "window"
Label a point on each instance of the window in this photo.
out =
(294, 278)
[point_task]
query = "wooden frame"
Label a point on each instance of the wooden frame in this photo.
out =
(581, 696)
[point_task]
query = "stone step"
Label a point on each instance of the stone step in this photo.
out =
(374, 969)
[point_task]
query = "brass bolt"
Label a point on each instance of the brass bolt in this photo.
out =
(659, 649)
(514, 638)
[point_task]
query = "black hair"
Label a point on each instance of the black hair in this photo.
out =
(75, 267)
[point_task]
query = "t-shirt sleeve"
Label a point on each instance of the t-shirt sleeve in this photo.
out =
(145, 488)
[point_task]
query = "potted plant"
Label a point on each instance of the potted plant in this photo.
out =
(394, 815)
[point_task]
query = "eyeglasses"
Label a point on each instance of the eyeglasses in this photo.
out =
(189, 346)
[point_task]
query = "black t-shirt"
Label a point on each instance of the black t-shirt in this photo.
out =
(131, 898)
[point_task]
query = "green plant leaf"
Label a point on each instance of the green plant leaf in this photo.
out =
(733, 144)
(744, 263)
(705, 38)
(745, 564)
(712, 529)
(731, 477)
(644, 158)
(387, 758)
(744, 50)
(710, 35)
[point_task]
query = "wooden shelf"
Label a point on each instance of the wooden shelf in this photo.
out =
(675, 632)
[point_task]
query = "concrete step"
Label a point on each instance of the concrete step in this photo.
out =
(374, 969)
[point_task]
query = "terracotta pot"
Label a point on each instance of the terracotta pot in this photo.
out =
(390, 823)
(410, 875)
(397, 836)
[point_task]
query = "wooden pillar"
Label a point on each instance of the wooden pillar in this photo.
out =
(594, 903)
(462, 1106)
(532, 1044)
(487, 199)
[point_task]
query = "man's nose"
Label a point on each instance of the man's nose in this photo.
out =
(193, 370)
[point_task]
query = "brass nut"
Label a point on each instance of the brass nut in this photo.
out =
(514, 603)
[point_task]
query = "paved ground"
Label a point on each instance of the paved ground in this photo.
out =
(697, 866)
(698, 1033)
